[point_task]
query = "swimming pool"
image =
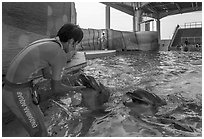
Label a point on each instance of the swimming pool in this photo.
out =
(174, 76)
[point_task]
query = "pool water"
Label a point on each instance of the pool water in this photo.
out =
(173, 76)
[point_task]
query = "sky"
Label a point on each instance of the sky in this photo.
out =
(92, 15)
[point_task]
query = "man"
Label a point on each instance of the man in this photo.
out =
(185, 47)
(186, 42)
(18, 94)
(103, 41)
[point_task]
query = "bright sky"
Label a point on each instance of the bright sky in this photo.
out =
(92, 15)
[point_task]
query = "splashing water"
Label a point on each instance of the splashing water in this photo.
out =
(173, 76)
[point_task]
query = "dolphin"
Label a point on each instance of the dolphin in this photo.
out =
(142, 101)
(94, 95)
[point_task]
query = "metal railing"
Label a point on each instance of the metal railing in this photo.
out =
(192, 25)
(174, 35)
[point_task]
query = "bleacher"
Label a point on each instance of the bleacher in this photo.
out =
(192, 32)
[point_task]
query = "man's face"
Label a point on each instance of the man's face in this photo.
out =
(70, 46)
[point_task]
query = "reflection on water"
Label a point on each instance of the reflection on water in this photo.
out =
(174, 76)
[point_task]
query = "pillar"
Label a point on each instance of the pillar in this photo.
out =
(158, 30)
(134, 24)
(107, 17)
(137, 15)
(137, 19)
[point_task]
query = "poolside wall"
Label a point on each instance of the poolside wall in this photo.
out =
(122, 40)
(92, 39)
(119, 40)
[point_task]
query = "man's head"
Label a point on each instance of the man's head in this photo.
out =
(70, 35)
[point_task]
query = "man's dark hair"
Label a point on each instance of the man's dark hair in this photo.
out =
(69, 31)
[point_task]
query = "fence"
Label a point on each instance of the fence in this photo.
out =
(192, 25)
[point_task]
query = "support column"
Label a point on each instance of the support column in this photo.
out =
(134, 24)
(158, 30)
(137, 16)
(107, 17)
(137, 20)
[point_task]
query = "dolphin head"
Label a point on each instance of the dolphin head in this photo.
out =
(95, 94)
(141, 101)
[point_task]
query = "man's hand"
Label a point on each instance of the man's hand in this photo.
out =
(67, 90)
(61, 89)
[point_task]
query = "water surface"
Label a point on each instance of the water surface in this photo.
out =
(174, 76)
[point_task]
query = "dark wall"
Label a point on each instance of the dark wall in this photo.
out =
(188, 32)
(37, 17)
(29, 16)
(25, 22)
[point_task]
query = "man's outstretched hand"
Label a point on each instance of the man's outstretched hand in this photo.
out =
(64, 90)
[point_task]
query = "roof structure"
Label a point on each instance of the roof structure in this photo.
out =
(156, 9)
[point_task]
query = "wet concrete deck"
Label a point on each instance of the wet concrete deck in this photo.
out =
(99, 53)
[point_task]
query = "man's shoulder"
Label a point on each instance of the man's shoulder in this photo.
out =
(51, 50)
(50, 46)
(46, 41)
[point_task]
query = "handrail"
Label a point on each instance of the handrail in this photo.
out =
(174, 35)
(192, 25)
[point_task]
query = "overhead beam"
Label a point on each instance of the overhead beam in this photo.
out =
(186, 10)
(192, 5)
(153, 14)
(131, 3)
(196, 4)
(151, 9)
(127, 3)
(178, 7)
(128, 8)
(144, 3)
(118, 7)
(150, 20)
